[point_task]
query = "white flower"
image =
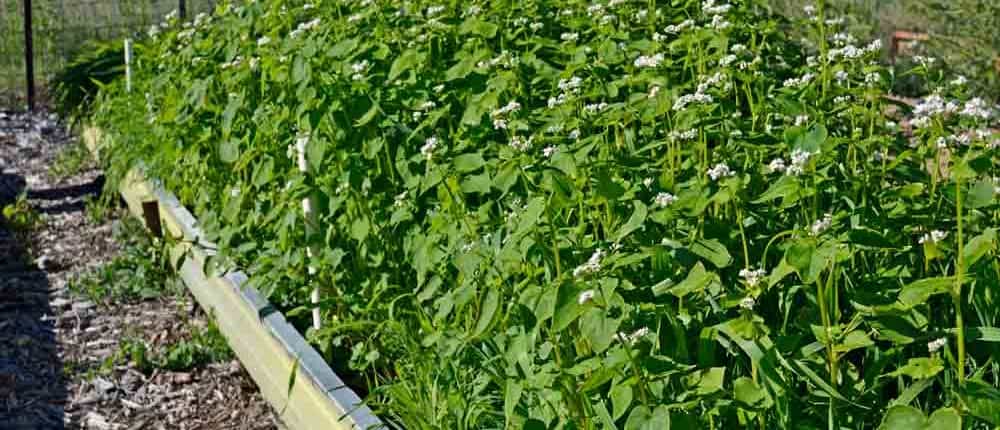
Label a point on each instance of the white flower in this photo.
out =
(801, 120)
(935, 345)
(429, 145)
(569, 37)
(719, 23)
(549, 151)
(593, 264)
(434, 10)
(748, 303)
(360, 66)
(521, 144)
(399, 200)
(570, 85)
(535, 26)
(933, 237)
(696, 98)
(653, 91)
(585, 297)
(960, 81)
(674, 29)
(977, 109)
(648, 182)
(428, 105)
(840, 75)
(575, 134)
(752, 277)
(595, 107)
(680, 136)
(644, 61)
(720, 170)
(664, 199)
(499, 124)
(710, 8)
(776, 165)
(799, 159)
(263, 40)
(821, 225)
(727, 60)
(513, 106)
(631, 339)
(798, 82)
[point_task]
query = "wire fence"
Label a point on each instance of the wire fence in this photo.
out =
(60, 29)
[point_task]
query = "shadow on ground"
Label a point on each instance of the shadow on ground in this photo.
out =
(32, 385)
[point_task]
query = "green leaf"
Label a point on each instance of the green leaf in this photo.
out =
(979, 246)
(713, 251)
(634, 222)
(903, 417)
(469, 162)
(229, 150)
(920, 368)
(405, 62)
(568, 308)
(918, 292)
(477, 184)
(642, 418)
(512, 396)
(746, 391)
(461, 69)
(854, 340)
(598, 328)
(487, 312)
(475, 26)
(981, 194)
(621, 399)
(981, 400)
(812, 141)
(529, 217)
(343, 48)
(708, 381)
(698, 279)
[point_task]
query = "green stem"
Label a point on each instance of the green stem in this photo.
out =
(957, 293)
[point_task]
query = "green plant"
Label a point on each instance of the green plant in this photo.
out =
(71, 160)
(20, 217)
(567, 214)
(141, 271)
(76, 84)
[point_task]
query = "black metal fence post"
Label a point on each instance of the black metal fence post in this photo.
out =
(182, 9)
(29, 56)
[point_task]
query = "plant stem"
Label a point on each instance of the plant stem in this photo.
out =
(959, 275)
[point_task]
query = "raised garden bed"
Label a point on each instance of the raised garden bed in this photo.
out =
(291, 375)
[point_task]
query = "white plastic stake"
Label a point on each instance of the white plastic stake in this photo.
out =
(310, 216)
(128, 65)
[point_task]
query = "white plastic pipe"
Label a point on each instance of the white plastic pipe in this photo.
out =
(128, 65)
(310, 217)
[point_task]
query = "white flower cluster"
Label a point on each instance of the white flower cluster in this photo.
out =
(710, 8)
(500, 115)
(719, 171)
(663, 200)
(549, 151)
(429, 146)
(841, 76)
(977, 109)
(821, 225)
(700, 96)
(634, 337)
(593, 264)
(648, 61)
(933, 237)
(595, 108)
(653, 92)
(748, 303)
(567, 86)
(400, 200)
(686, 135)
(851, 52)
(505, 60)
(677, 28)
(569, 37)
(263, 40)
(960, 81)
(519, 143)
(924, 61)
(232, 64)
(433, 10)
(719, 23)
(798, 82)
(935, 345)
(585, 297)
(304, 27)
(359, 68)
(929, 107)
(752, 276)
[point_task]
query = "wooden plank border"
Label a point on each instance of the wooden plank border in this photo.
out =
(269, 347)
